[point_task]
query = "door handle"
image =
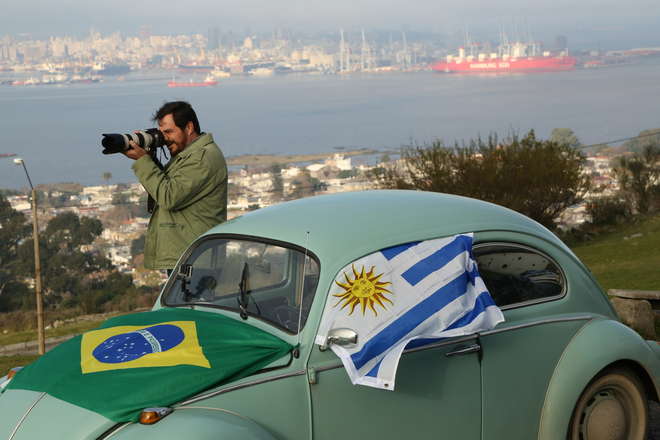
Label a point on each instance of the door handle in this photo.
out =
(465, 349)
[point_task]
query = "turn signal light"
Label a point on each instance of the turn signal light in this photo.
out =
(13, 372)
(149, 416)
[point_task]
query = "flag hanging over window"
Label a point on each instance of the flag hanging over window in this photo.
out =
(419, 290)
(150, 359)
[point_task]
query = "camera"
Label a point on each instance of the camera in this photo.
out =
(149, 139)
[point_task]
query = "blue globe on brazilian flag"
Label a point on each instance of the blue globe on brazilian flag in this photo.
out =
(150, 359)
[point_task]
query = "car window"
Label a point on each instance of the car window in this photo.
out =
(516, 274)
(278, 279)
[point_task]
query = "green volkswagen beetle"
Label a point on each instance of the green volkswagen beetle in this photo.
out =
(366, 315)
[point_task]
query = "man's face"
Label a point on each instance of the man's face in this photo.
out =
(176, 138)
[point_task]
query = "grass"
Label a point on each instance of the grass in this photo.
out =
(31, 335)
(7, 362)
(628, 258)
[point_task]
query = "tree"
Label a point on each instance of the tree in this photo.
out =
(107, 176)
(534, 177)
(346, 174)
(14, 228)
(644, 139)
(66, 265)
(278, 183)
(565, 136)
(639, 177)
(137, 246)
(304, 185)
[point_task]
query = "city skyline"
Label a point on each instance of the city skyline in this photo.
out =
(587, 22)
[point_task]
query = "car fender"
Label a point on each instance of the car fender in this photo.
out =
(597, 345)
(194, 423)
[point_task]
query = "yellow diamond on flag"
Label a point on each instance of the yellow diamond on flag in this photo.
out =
(130, 346)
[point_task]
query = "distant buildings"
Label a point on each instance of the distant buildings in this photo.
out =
(89, 58)
(253, 189)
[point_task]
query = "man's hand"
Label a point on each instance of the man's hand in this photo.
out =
(135, 152)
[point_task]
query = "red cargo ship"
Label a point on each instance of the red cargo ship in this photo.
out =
(517, 57)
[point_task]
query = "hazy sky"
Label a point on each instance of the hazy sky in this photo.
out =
(607, 21)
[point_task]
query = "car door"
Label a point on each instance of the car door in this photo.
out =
(437, 395)
(520, 355)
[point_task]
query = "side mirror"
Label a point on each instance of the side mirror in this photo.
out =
(340, 336)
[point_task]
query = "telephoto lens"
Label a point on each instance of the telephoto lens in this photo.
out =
(149, 139)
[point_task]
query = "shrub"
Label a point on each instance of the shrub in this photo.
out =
(608, 210)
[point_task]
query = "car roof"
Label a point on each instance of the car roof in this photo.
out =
(346, 226)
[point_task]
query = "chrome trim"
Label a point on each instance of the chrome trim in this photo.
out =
(472, 348)
(457, 340)
(340, 336)
(535, 323)
(477, 335)
(20, 422)
(442, 343)
(114, 430)
(239, 386)
(217, 409)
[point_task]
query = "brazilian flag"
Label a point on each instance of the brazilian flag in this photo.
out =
(149, 359)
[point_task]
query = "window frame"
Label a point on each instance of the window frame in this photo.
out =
(525, 247)
(239, 237)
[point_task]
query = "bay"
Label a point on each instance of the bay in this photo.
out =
(57, 129)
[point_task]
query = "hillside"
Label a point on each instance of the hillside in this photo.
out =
(626, 258)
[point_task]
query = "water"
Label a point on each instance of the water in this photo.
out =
(57, 129)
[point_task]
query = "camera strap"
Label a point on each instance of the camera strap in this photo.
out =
(151, 202)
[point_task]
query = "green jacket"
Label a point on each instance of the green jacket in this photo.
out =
(190, 195)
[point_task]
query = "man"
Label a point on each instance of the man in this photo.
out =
(190, 192)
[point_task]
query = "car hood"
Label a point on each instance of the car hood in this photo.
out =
(26, 415)
(110, 371)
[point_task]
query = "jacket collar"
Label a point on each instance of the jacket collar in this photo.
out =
(201, 141)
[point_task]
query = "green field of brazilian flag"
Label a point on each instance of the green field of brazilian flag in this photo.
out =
(150, 359)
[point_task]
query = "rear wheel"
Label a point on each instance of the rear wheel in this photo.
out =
(612, 407)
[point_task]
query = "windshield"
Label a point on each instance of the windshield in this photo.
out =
(253, 278)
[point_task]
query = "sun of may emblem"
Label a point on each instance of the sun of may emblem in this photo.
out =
(364, 289)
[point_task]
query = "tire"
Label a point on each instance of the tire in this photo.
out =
(612, 407)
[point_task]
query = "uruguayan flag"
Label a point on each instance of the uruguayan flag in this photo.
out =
(428, 289)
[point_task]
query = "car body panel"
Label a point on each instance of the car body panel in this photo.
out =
(280, 402)
(14, 405)
(600, 343)
(200, 423)
(48, 417)
(427, 380)
(507, 379)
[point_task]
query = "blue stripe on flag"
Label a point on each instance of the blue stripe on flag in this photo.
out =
(393, 333)
(422, 342)
(437, 260)
(393, 251)
(483, 301)
(374, 370)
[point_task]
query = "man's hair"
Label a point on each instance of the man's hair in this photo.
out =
(182, 113)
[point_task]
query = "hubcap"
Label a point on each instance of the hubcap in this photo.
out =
(604, 418)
